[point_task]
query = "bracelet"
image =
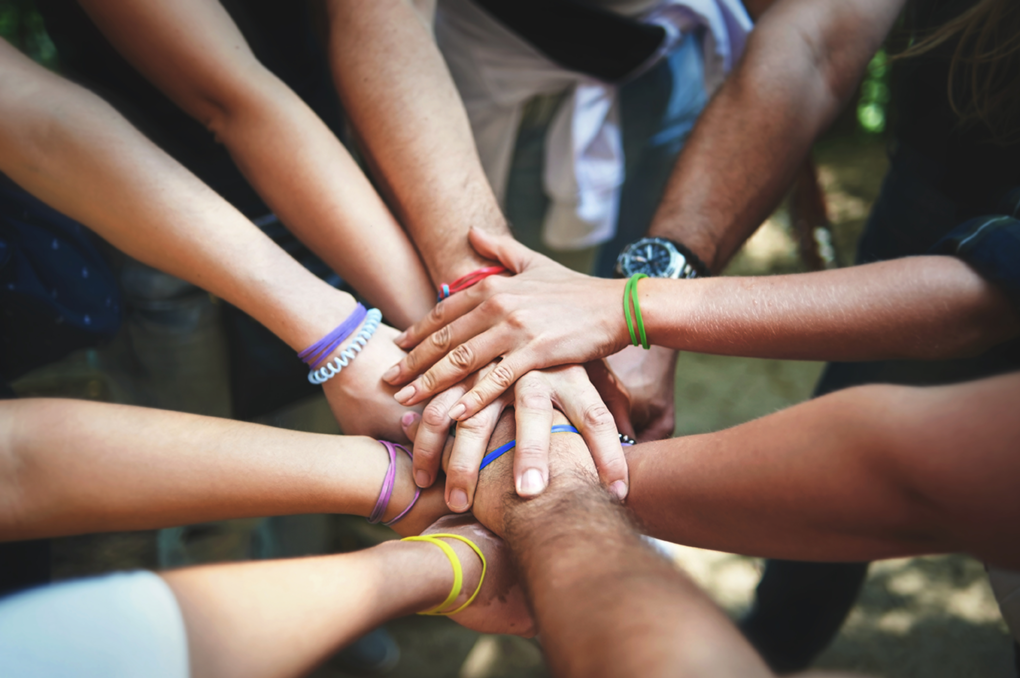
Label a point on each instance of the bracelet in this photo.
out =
(386, 491)
(321, 349)
(330, 370)
(630, 296)
(469, 279)
(458, 572)
(503, 449)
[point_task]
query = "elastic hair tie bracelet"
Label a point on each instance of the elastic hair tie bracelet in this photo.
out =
(503, 449)
(469, 279)
(458, 572)
(321, 349)
(331, 369)
(630, 296)
(389, 481)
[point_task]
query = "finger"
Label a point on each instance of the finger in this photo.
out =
(443, 313)
(502, 248)
(454, 367)
(487, 388)
(437, 346)
(534, 413)
(468, 450)
(614, 394)
(585, 409)
(409, 424)
(433, 430)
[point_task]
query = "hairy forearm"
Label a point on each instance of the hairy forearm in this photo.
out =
(933, 307)
(866, 473)
(280, 618)
(411, 121)
(72, 467)
(801, 64)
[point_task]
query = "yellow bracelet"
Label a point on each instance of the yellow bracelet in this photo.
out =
(458, 572)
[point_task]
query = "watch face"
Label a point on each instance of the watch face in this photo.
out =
(654, 259)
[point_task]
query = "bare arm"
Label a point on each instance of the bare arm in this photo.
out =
(73, 467)
(395, 86)
(193, 52)
(866, 473)
(802, 62)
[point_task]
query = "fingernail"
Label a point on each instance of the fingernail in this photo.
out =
(532, 483)
(458, 500)
(408, 418)
(389, 374)
(458, 411)
(619, 489)
(421, 479)
(404, 394)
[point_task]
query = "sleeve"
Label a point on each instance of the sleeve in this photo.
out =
(991, 245)
(115, 626)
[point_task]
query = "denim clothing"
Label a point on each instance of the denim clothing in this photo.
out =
(800, 606)
(658, 111)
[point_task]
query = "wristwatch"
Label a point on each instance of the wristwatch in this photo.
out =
(659, 258)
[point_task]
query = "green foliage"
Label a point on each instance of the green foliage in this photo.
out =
(871, 107)
(22, 26)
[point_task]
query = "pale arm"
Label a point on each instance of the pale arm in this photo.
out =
(194, 52)
(74, 467)
(867, 473)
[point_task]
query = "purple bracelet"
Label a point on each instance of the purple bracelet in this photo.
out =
(386, 492)
(315, 354)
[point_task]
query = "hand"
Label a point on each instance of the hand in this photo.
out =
(649, 378)
(571, 467)
(361, 402)
(535, 397)
(501, 606)
(544, 316)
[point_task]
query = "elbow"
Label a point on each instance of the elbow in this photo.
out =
(221, 108)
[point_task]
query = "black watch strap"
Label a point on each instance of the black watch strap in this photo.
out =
(693, 260)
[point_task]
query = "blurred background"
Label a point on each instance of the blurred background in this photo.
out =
(929, 617)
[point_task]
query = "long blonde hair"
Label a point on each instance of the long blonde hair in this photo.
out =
(984, 74)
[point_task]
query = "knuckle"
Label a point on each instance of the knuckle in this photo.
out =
(474, 426)
(533, 399)
(531, 450)
(502, 376)
(436, 314)
(411, 361)
(517, 318)
(500, 303)
(460, 470)
(440, 339)
(462, 357)
(597, 417)
(490, 285)
(429, 381)
(435, 416)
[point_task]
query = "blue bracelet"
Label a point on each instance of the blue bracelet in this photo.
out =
(503, 449)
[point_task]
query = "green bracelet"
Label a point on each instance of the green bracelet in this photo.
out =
(630, 296)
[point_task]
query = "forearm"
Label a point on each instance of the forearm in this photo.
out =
(74, 152)
(801, 64)
(73, 467)
(414, 129)
(606, 605)
(291, 158)
(867, 473)
(932, 307)
(280, 618)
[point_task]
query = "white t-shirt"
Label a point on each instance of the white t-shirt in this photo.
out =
(115, 626)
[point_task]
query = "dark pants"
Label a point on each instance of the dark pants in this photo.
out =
(799, 607)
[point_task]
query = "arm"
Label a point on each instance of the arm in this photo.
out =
(193, 51)
(412, 124)
(928, 307)
(72, 467)
(73, 151)
(866, 473)
(604, 603)
(802, 62)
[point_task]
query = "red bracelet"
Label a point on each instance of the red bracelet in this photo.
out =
(469, 279)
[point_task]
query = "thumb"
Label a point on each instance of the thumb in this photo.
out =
(501, 248)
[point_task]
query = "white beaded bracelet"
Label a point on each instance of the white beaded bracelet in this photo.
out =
(331, 369)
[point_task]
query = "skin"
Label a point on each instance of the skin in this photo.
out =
(76, 467)
(73, 151)
(926, 307)
(195, 54)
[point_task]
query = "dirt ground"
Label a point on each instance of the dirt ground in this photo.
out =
(930, 617)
